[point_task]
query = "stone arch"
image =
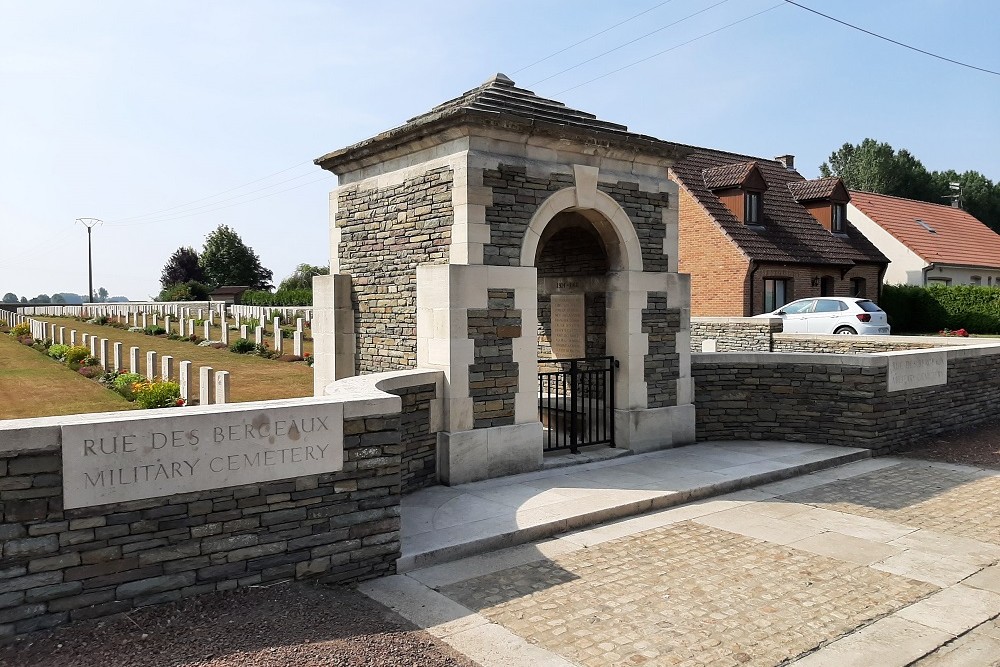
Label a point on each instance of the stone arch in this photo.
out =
(607, 216)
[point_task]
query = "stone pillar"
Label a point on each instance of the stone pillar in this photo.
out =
(133, 360)
(151, 365)
(184, 380)
(297, 343)
(206, 385)
(222, 387)
(277, 335)
(167, 367)
(104, 353)
(118, 349)
(334, 343)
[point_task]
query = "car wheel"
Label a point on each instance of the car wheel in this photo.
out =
(844, 331)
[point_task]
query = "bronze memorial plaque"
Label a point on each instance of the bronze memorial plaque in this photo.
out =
(569, 328)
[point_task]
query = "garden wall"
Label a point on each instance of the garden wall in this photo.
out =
(138, 527)
(879, 401)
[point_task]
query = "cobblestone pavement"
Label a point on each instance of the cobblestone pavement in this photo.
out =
(885, 562)
(685, 594)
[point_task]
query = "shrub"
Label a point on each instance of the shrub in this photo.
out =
(308, 359)
(19, 330)
(76, 354)
(58, 351)
(263, 350)
(914, 309)
(286, 297)
(124, 382)
(154, 331)
(136, 330)
(157, 394)
(90, 361)
(90, 371)
(241, 346)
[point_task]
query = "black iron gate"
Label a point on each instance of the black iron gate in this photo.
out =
(576, 402)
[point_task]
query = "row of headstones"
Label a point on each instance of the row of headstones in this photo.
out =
(213, 385)
(187, 327)
(182, 310)
(286, 313)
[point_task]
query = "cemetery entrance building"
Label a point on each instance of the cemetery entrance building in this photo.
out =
(501, 238)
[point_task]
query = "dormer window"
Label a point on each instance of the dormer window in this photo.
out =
(839, 218)
(740, 188)
(753, 208)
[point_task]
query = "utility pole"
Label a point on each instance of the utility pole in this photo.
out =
(89, 223)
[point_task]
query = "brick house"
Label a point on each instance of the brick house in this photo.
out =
(927, 243)
(754, 235)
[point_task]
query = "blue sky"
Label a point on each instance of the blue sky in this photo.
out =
(131, 111)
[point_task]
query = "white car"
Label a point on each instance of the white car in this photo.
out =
(832, 315)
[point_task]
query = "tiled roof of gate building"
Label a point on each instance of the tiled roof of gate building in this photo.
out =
(499, 102)
(936, 232)
(789, 234)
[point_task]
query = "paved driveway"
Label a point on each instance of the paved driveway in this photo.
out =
(882, 562)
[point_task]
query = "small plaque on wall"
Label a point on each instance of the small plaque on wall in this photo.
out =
(569, 326)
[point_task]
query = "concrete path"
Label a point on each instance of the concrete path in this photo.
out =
(445, 523)
(884, 562)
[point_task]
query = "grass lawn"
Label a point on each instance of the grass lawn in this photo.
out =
(32, 385)
(251, 378)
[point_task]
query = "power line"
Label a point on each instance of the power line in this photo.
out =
(892, 41)
(195, 209)
(212, 210)
(217, 194)
(587, 39)
(660, 53)
(632, 41)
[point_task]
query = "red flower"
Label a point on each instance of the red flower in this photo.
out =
(180, 402)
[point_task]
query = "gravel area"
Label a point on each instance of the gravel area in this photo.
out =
(296, 624)
(977, 446)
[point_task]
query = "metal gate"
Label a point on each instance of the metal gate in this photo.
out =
(576, 403)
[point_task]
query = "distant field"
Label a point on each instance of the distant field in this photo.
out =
(252, 378)
(32, 385)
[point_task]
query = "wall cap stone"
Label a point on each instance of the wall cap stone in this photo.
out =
(366, 395)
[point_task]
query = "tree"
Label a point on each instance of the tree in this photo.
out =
(226, 260)
(41, 298)
(181, 267)
(875, 167)
(192, 290)
(10, 297)
(58, 298)
(102, 295)
(302, 277)
(24, 299)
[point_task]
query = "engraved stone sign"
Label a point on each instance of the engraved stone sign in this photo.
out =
(569, 329)
(912, 370)
(135, 458)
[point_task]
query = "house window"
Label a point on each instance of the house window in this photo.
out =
(939, 281)
(777, 292)
(839, 218)
(753, 209)
(859, 288)
(975, 280)
(826, 286)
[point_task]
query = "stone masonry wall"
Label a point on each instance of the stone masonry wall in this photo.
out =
(516, 197)
(385, 234)
(419, 464)
(60, 565)
(493, 378)
(733, 334)
(845, 344)
(661, 322)
(839, 405)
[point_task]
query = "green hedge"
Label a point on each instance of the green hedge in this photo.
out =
(930, 309)
(289, 297)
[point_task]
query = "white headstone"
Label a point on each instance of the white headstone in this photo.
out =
(133, 360)
(207, 329)
(224, 331)
(244, 332)
(277, 335)
(184, 380)
(297, 343)
(222, 387)
(206, 385)
(104, 354)
(72, 337)
(167, 367)
(118, 349)
(258, 335)
(151, 365)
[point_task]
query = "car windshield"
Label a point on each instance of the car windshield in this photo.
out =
(869, 307)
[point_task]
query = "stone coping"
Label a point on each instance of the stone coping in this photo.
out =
(866, 360)
(736, 320)
(372, 388)
(939, 341)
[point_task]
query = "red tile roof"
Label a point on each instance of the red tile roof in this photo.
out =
(947, 236)
(790, 234)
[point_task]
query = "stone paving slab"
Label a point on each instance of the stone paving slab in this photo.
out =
(441, 524)
(869, 581)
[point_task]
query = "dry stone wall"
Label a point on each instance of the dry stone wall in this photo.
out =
(493, 378)
(385, 234)
(60, 565)
(660, 323)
